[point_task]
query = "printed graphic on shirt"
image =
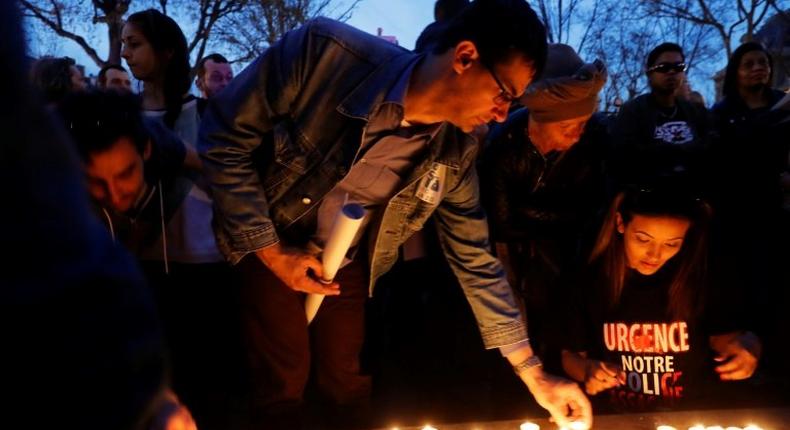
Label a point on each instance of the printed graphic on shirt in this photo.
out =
(674, 132)
(430, 187)
(648, 354)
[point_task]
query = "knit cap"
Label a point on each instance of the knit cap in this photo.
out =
(568, 87)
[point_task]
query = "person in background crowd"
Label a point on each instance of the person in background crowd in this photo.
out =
(131, 165)
(660, 134)
(114, 77)
(685, 92)
(136, 172)
(55, 77)
(648, 325)
(443, 12)
(82, 344)
(197, 292)
(749, 159)
(543, 184)
(698, 98)
(213, 74)
(330, 114)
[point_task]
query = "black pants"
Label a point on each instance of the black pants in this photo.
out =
(282, 350)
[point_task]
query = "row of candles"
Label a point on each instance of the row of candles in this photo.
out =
(701, 427)
(582, 426)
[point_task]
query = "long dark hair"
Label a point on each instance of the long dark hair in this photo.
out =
(167, 39)
(689, 265)
(730, 88)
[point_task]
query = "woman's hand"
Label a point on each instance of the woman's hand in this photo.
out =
(600, 376)
(739, 353)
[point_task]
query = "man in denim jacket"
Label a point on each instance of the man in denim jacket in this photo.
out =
(330, 114)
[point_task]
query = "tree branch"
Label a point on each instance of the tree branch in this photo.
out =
(56, 25)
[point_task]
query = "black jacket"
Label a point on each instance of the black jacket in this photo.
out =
(639, 157)
(547, 200)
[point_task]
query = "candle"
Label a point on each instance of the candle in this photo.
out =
(697, 427)
(714, 428)
(529, 426)
(665, 428)
(733, 428)
(429, 427)
(752, 427)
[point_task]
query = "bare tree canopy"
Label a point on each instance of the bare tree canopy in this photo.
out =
(562, 17)
(623, 34)
(243, 26)
(248, 33)
(67, 19)
(734, 21)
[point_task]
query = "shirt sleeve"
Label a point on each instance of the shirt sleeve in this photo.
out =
(232, 128)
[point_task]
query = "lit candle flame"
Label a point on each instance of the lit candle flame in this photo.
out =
(575, 425)
(429, 427)
(529, 426)
(665, 428)
(752, 427)
(714, 428)
(697, 427)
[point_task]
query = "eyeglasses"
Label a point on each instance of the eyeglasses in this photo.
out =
(504, 96)
(669, 67)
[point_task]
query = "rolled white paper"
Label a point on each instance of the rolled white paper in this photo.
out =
(343, 232)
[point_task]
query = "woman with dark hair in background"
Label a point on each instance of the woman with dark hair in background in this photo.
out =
(155, 50)
(196, 291)
(747, 80)
(749, 158)
(648, 331)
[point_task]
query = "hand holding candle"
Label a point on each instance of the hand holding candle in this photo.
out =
(344, 230)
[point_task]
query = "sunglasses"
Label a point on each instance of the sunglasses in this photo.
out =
(668, 67)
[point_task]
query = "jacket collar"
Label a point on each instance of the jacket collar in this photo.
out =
(376, 88)
(388, 83)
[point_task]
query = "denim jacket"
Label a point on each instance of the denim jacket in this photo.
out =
(288, 128)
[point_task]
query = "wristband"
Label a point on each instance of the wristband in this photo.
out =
(529, 363)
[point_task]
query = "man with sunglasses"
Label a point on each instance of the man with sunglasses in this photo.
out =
(660, 133)
(330, 115)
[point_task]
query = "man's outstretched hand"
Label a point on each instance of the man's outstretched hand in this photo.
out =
(563, 398)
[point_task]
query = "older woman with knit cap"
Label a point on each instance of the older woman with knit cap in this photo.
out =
(542, 183)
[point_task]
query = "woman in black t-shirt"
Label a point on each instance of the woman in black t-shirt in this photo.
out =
(645, 334)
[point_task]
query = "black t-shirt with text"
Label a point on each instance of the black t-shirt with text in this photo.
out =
(667, 361)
